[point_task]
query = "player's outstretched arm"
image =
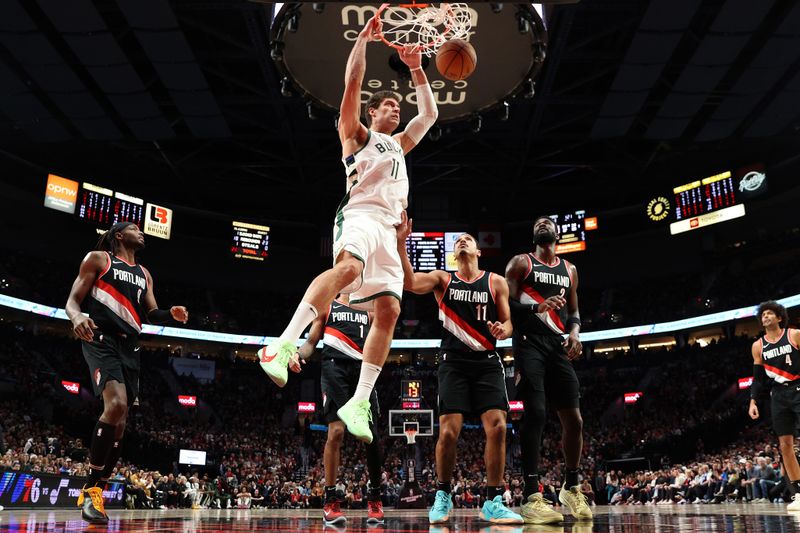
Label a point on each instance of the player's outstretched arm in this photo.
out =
(92, 265)
(350, 126)
(161, 316)
(427, 112)
(416, 282)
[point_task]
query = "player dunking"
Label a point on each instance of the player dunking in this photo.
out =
(120, 298)
(544, 307)
(343, 331)
(776, 357)
(473, 308)
(366, 263)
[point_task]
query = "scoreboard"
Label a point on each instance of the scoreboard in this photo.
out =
(105, 207)
(410, 393)
(250, 241)
(572, 231)
(705, 202)
(432, 250)
(704, 196)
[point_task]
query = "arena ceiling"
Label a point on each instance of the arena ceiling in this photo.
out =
(183, 98)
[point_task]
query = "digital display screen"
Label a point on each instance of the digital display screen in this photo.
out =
(704, 196)
(250, 241)
(705, 202)
(432, 250)
(410, 390)
(105, 208)
(572, 231)
(192, 457)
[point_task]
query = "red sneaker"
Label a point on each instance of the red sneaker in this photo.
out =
(375, 514)
(332, 514)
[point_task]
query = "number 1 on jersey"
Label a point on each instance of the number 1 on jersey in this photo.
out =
(361, 329)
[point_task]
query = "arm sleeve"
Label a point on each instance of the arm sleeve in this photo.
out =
(760, 388)
(426, 115)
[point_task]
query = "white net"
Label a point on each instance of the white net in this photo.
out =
(428, 27)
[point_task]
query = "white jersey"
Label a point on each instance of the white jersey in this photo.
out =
(377, 181)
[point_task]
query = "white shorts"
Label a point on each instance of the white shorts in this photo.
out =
(375, 244)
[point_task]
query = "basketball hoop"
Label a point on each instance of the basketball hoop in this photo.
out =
(411, 435)
(423, 25)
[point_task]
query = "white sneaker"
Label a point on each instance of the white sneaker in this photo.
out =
(575, 501)
(795, 505)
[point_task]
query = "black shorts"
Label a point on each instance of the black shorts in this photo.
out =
(542, 363)
(785, 405)
(471, 383)
(113, 357)
(339, 380)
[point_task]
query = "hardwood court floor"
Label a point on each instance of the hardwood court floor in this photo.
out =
(756, 518)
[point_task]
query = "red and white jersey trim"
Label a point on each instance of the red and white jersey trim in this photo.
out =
(341, 343)
(117, 304)
(530, 297)
(779, 375)
(463, 331)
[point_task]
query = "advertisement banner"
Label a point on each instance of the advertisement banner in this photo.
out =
(37, 489)
(158, 221)
(61, 194)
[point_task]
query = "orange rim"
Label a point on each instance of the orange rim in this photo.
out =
(423, 46)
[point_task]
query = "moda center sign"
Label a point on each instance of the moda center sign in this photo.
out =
(311, 46)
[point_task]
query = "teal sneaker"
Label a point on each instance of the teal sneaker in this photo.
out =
(357, 416)
(442, 505)
(496, 512)
(274, 360)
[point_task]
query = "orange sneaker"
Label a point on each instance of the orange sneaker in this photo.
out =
(93, 510)
(375, 514)
(332, 514)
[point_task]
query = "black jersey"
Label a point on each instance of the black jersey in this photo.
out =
(464, 309)
(345, 332)
(116, 303)
(540, 283)
(781, 358)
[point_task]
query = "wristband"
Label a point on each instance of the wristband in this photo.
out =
(159, 317)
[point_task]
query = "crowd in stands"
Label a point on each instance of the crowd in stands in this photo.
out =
(262, 455)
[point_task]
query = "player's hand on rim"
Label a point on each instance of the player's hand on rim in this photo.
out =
(411, 55)
(83, 328)
(179, 313)
(372, 30)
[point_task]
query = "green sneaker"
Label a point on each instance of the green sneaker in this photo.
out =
(538, 511)
(274, 360)
(357, 416)
(575, 501)
(496, 512)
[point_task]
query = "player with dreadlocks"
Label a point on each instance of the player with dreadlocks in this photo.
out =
(120, 298)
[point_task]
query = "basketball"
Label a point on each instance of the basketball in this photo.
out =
(456, 60)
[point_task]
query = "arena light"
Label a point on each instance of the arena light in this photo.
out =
(409, 344)
(745, 383)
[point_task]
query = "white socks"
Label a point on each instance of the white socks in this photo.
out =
(303, 316)
(366, 381)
